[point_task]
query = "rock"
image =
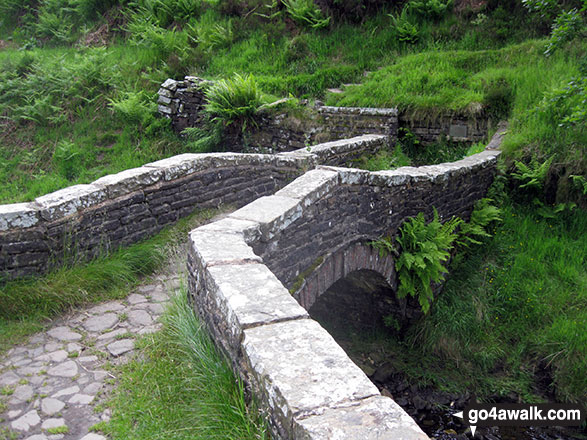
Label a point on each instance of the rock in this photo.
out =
(27, 421)
(156, 309)
(66, 391)
(135, 298)
(13, 414)
(112, 306)
(112, 334)
(22, 393)
(158, 295)
(66, 369)
(120, 347)
(93, 436)
(419, 403)
(72, 347)
(8, 378)
(139, 318)
(80, 399)
(53, 423)
(37, 437)
(384, 373)
(101, 322)
(93, 388)
(51, 406)
(56, 356)
(64, 334)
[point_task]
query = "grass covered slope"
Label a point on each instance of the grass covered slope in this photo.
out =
(181, 388)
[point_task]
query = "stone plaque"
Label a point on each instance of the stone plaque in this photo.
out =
(458, 131)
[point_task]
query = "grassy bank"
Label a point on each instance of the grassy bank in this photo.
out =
(27, 306)
(180, 387)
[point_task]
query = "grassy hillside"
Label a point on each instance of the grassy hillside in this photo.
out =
(78, 83)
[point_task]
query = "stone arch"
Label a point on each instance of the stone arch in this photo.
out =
(340, 263)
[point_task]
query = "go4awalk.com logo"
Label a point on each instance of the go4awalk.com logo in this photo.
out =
(516, 414)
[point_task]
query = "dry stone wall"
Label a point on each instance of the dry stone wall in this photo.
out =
(83, 221)
(286, 130)
(240, 269)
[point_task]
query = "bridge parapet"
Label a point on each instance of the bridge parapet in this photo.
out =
(240, 270)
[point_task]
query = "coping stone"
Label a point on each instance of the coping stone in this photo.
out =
(18, 215)
(302, 370)
(375, 418)
(70, 200)
(250, 295)
(129, 180)
(273, 213)
(311, 186)
(213, 248)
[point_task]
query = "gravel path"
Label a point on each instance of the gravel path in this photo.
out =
(52, 385)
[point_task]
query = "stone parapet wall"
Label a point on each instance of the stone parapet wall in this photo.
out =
(240, 269)
(83, 221)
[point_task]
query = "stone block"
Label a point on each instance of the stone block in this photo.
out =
(18, 215)
(249, 295)
(248, 229)
(70, 200)
(301, 371)
(311, 186)
(211, 248)
(128, 181)
(179, 166)
(375, 418)
(273, 213)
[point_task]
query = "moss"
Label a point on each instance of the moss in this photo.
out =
(299, 281)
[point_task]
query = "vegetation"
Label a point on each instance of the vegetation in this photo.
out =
(26, 306)
(181, 387)
(78, 83)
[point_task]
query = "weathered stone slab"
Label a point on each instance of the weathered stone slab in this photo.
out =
(180, 165)
(212, 248)
(311, 186)
(397, 177)
(249, 295)
(70, 200)
(358, 110)
(302, 370)
(328, 150)
(129, 180)
(18, 215)
(100, 323)
(273, 213)
(248, 229)
(375, 418)
(64, 334)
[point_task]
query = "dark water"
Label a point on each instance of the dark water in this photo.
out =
(349, 309)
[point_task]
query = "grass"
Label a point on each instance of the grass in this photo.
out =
(510, 319)
(181, 387)
(26, 306)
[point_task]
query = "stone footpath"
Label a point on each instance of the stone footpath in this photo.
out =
(52, 385)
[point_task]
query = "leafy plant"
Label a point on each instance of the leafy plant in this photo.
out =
(476, 228)
(306, 13)
(567, 26)
(212, 36)
(533, 174)
(424, 250)
(404, 28)
(134, 107)
(580, 182)
(434, 9)
(233, 100)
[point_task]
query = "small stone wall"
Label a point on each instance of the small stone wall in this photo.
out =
(286, 130)
(240, 269)
(83, 221)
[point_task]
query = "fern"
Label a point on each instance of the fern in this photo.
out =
(483, 214)
(532, 175)
(580, 182)
(306, 13)
(424, 250)
(233, 100)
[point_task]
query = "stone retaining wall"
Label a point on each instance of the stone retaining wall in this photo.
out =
(285, 130)
(240, 269)
(83, 221)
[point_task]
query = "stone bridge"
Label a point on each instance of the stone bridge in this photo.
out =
(247, 270)
(287, 242)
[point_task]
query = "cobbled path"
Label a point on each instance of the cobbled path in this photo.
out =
(58, 378)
